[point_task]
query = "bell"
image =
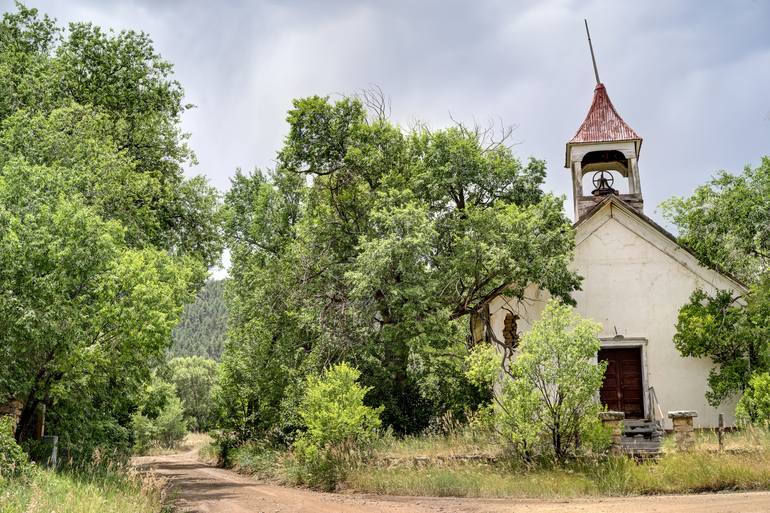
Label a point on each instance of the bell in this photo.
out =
(603, 183)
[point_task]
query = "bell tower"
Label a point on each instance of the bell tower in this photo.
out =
(607, 147)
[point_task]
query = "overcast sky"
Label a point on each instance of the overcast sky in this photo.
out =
(691, 77)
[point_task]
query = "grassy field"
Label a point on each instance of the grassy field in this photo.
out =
(744, 465)
(672, 473)
(429, 466)
(97, 491)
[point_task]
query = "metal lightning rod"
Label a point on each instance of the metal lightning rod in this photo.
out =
(593, 58)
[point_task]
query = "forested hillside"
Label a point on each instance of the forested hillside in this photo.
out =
(201, 330)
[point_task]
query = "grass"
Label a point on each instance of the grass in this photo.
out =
(456, 443)
(745, 465)
(433, 465)
(95, 491)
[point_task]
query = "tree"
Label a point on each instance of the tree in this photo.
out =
(81, 312)
(547, 403)
(66, 92)
(372, 244)
(195, 379)
(726, 223)
(754, 405)
(732, 330)
(102, 239)
(160, 417)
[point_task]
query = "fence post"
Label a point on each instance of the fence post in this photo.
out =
(721, 431)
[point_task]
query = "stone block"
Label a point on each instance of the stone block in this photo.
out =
(682, 414)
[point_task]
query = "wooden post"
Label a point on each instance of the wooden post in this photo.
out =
(721, 431)
(40, 422)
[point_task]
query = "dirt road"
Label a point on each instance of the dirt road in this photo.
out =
(201, 488)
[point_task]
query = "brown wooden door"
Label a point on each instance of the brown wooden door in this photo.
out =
(622, 387)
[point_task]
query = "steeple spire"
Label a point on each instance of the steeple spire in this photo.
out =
(603, 145)
(593, 57)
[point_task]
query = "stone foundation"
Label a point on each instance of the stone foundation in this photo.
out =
(614, 421)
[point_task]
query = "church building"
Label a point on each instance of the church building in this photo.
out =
(636, 277)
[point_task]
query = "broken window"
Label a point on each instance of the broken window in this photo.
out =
(510, 336)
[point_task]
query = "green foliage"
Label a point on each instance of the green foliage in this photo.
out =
(201, 330)
(195, 379)
(754, 406)
(337, 423)
(548, 401)
(727, 221)
(483, 365)
(371, 244)
(733, 331)
(102, 238)
(13, 459)
(160, 420)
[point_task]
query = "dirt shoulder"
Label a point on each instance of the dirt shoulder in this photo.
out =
(202, 488)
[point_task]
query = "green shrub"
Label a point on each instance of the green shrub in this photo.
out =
(165, 430)
(338, 424)
(13, 459)
(547, 406)
(754, 406)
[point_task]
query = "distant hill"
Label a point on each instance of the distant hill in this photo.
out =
(201, 330)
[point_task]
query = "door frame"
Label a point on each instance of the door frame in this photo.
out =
(620, 342)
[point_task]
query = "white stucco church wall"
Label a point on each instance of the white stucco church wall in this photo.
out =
(635, 279)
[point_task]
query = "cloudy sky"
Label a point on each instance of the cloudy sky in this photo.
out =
(691, 77)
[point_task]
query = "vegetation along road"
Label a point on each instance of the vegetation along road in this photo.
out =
(200, 488)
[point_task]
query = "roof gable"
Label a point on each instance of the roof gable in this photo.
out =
(615, 208)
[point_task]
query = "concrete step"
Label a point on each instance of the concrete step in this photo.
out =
(642, 428)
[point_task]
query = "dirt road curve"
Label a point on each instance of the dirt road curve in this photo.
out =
(204, 489)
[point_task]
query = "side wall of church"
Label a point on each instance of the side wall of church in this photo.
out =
(635, 281)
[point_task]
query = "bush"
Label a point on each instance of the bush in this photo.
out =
(162, 423)
(547, 406)
(754, 406)
(338, 425)
(13, 459)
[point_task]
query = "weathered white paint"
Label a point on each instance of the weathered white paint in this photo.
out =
(635, 281)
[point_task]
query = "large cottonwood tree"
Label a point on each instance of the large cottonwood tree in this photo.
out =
(372, 244)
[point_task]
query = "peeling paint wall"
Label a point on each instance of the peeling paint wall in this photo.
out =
(635, 281)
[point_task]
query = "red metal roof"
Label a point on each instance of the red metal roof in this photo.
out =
(603, 123)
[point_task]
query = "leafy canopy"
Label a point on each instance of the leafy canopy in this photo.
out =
(754, 405)
(372, 244)
(102, 238)
(195, 380)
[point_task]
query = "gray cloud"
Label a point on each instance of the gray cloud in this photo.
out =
(691, 77)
